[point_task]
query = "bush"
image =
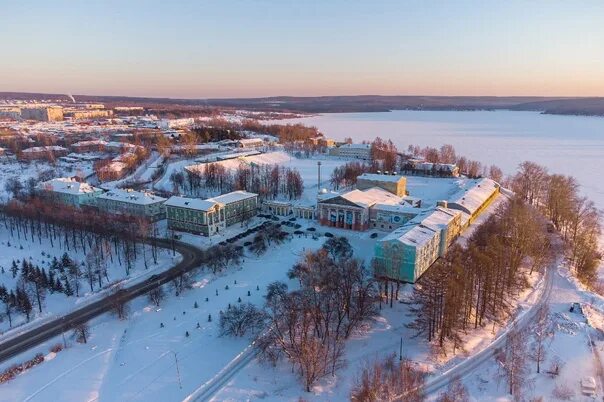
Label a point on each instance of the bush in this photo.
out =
(563, 392)
(56, 348)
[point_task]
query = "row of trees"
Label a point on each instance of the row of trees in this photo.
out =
(87, 230)
(577, 218)
(346, 174)
(447, 155)
(268, 181)
(477, 284)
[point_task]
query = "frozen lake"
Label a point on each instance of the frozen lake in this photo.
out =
(572, 145)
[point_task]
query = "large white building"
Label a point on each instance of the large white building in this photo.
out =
(69, 191)
(210, 216)
(354, 151)
(130, 202)
(362, 209)
(474, 198)
(406, 253)
(175, 123)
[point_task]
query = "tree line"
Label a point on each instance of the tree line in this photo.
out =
(578, 220)
(268, 181)
(475, 285)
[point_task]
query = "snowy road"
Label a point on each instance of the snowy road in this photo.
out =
(473, 362)
(191, 258)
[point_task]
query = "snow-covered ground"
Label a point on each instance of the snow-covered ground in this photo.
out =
(571, 344)
(23, 171)
(134, 360)
(42, 254)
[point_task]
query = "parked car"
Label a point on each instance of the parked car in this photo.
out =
(576, 308)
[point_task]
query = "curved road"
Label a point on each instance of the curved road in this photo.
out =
(191, 258)
(467, 366)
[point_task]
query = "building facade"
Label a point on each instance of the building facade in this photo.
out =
(42, 113)
(405, 254)
(238, 206)
(353, 151)
(396, 184)
(130, 202)
(195, 215)
(351, 210)
(69, 191)
(211, 216)
(46, 152)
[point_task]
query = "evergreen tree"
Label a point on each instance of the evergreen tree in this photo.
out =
(67, 289)
(14, 269)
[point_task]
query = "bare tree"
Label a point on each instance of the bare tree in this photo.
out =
(81, 333)
(156, 295)
(542, 332)
(389, 380)
(119, 303)
(456, 392)
(513, 367)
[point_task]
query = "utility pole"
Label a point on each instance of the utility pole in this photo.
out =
(177, 370)
(319, 172)
(400, 355)
(63, 334)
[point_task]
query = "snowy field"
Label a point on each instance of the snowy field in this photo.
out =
(23, 171)
(134, 360)
(42, 254)
(306, 167)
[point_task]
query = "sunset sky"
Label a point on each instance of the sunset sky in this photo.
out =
(197, 49)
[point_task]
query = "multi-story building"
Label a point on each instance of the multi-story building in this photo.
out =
(45, 152)
(195, 215)
(396, 184)
(69, 191)
(474, 198)
(130, 202)
(10, 112)
(208, 217)
(351, 210)
(91, 113)
(89, 146)
(354, 151)
(238, 206)
(42, 113)
(175, 123)
(406, 253)
(250, 143)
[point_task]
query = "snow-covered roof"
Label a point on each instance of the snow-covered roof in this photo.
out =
(423, 227)
(438, 218)
(115, 166)
(89, 142)
(250, 141)
(381, 177)
(191, 203)
(67, 185)
(45, 148)
(233, 197)
(412, 234)
(131, 196)
(401, 208)
(474, 194)
(356, 146)
(365, 198)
